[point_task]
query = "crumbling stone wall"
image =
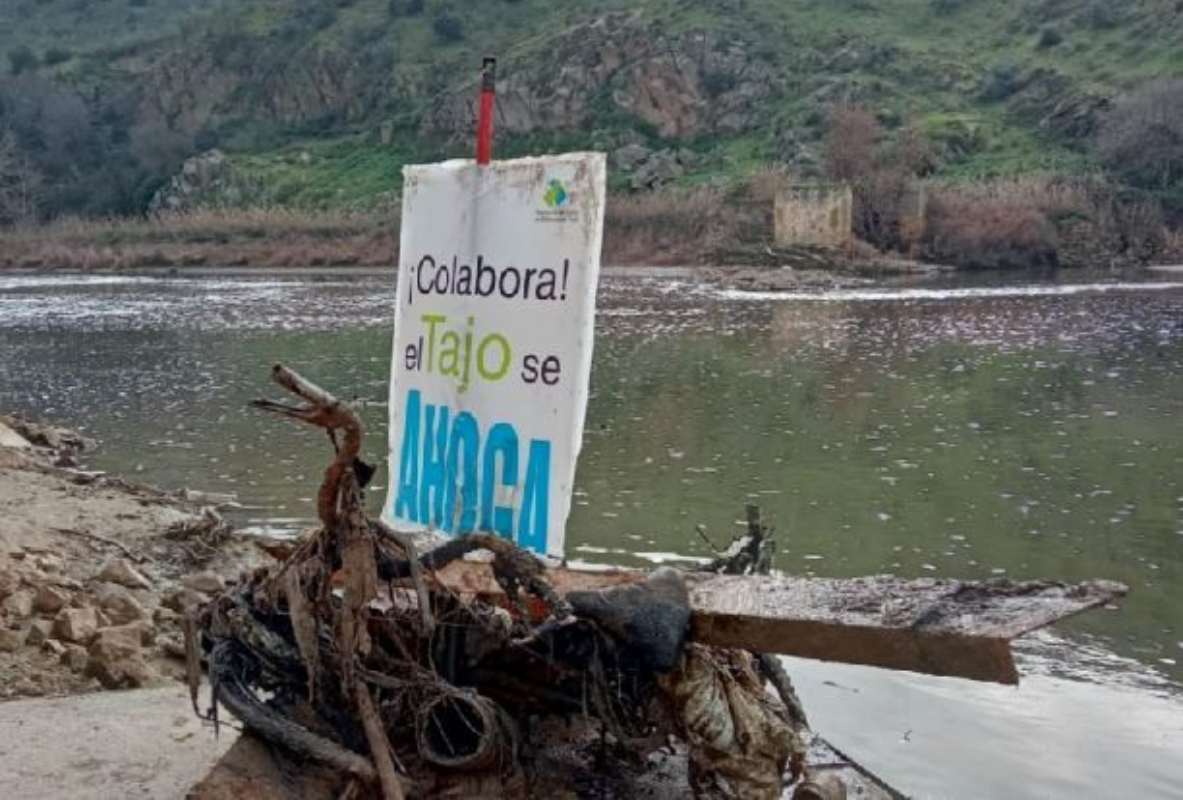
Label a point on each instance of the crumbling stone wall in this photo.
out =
(814, 214)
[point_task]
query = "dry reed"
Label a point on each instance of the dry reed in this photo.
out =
(257, 237)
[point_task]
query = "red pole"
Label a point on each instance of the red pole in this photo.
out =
(484, 131)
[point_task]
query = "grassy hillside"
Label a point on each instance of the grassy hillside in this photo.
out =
(318, 103)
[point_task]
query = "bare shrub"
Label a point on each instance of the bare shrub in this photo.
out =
(852, 135)
(1141, 138)
(1172, 250)
(1139, 226)
(684, 226)
(988, 233)
(20, 182)
(881, 176)
(666, 227)
(1079, 221)
(763, 185)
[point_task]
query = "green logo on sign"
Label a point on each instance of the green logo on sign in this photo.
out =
(556, 194)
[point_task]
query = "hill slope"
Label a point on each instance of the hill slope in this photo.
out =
(319, 103)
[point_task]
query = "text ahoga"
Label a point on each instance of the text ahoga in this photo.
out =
(457, 478)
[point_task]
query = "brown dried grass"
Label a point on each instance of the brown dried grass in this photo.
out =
(663, 228)
(1172, 252)
(675, 226)
(689, 226)
(989, 233)
(1039, 221)
(256, 237)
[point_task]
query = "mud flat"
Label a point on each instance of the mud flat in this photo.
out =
(145, 743)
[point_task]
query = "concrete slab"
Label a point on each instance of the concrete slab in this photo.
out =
(144, 743)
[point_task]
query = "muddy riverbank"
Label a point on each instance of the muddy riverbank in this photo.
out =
(668, 234)
(96, 571)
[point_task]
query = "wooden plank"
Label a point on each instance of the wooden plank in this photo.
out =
(939, 627)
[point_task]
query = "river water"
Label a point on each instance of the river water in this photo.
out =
(1031, 430)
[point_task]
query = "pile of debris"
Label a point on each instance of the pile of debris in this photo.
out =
(431, 675)
(405, 688)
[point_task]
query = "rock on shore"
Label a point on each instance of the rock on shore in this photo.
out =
(94, 571)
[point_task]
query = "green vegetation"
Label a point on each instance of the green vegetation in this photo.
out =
(448, 27)
(346, 172)
(296, 92)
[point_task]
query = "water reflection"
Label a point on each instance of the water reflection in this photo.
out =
(1050, 738)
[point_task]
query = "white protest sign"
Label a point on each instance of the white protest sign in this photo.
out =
(498, 267)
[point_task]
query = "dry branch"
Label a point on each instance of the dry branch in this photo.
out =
(324, 411)
(410, 553)
(94, 537)
(392, 784)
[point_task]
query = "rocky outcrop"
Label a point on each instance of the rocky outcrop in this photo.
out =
(18, 605)
(50, 599)
(40, 435)
(226, 75)
(120, 605)
(1056, 104)
(76, 625)
(96, 630)
(11, 439)
(182, 601)
(209, 583)
(11, 639)
(652, 169)
(682, 86)
(207, 180)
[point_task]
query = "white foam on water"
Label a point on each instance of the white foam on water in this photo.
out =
(882, 295)
(58, 281)
(579, 565)
(623, 312)
(665, 558)
(20, 282)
